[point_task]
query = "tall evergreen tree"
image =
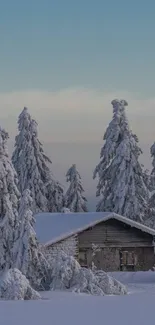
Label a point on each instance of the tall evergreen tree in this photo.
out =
(55, 196)
(27, 255)
(33, 166)
(150, 178)
(9, 203)
(122, 182)
(75, 200)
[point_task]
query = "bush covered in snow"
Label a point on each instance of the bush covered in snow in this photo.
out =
(67, 274)
(65, 210)
(15, 286)
(108, 284)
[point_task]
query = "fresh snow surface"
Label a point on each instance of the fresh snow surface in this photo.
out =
(137, 282)
(134, 277)
(52, 227)
(66, 308)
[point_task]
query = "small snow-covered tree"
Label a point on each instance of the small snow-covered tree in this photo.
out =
(74, 198)
(28, 256)
(122, 182)
(33, 166)
(9, 202)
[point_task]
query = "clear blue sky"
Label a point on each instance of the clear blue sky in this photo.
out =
(54, 44)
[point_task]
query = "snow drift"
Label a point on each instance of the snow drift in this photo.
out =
(15, 286)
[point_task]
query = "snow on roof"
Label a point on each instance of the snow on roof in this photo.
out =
(54, 227)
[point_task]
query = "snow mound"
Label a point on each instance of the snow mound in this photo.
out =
(67, 274)
(65, 210)
(15, 286)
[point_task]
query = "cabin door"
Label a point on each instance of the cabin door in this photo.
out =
(127, 260)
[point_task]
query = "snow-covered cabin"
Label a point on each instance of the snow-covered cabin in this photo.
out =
(123, 243)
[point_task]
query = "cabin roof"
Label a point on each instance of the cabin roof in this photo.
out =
(54, 227)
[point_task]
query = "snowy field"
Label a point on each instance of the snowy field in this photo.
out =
(57, 308)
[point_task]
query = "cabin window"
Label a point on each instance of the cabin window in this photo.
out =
(127, 261)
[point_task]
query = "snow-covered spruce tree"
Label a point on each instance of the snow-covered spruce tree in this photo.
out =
(122, 182)
(55, 196)
(151, 185)
(28, 256)
(152, 177)
(9, 203)
(75, 201)
(33, 166)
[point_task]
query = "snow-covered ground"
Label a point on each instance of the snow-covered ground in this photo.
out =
(67, 308)
(137, 282)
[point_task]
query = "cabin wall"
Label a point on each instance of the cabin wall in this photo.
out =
(68, 246)
(113, 233)
(108, 259)
(121, 247)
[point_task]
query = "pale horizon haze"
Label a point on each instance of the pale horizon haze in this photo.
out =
(66, 61)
